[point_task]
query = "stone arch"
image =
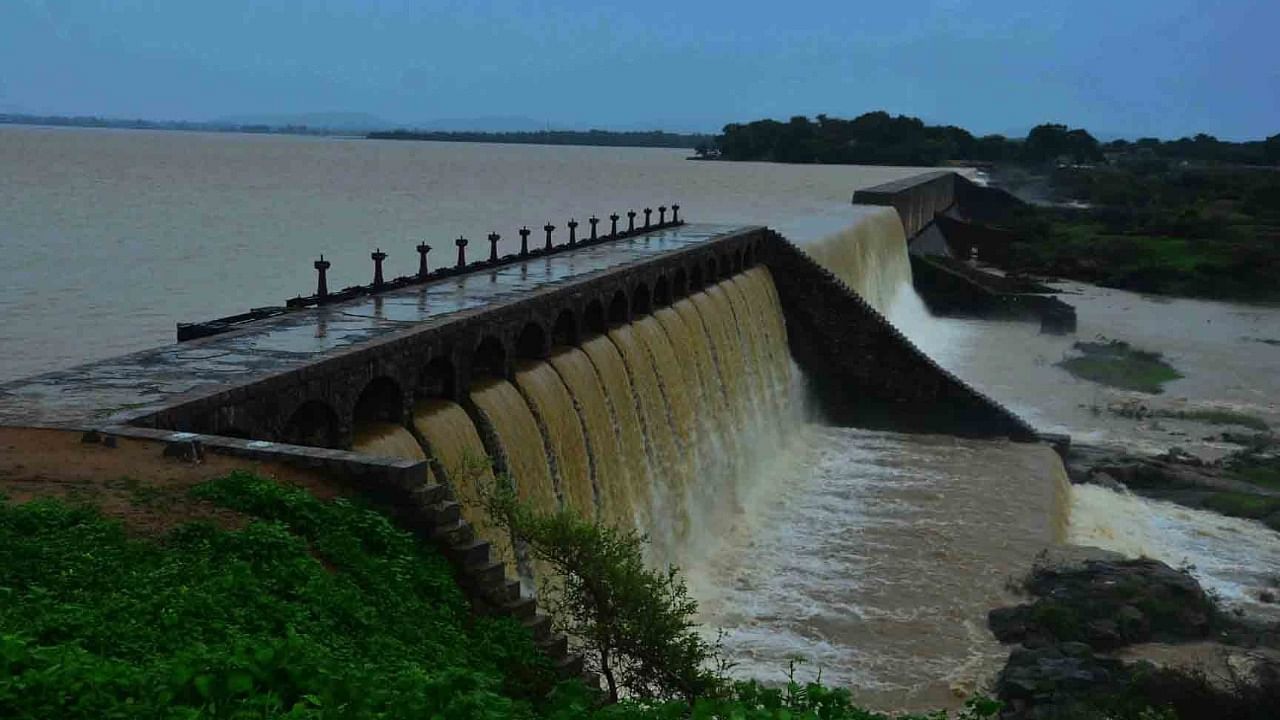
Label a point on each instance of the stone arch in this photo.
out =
(679, 284)
(619, 311)
(314, 424)
(594, 318)
(490, 358)
(565, 330)
(531, 343)
(381, 400)
(661, 292)
(439, 378)
(695, 278)
(641, 301)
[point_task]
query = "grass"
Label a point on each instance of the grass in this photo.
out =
(1117, 364)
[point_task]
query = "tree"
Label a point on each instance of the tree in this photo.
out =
(634, 624)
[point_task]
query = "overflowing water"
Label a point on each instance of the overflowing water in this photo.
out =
(564, 430)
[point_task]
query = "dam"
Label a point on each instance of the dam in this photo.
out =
(649, 380)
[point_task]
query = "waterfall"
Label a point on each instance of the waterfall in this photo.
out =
(561, 427)
(609, 477)
(870, 256)
(660, 424)
(388, 440)
(450, 437)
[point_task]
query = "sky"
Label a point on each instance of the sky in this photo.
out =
(1164, 68)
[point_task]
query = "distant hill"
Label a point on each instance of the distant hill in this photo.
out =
(344, 121)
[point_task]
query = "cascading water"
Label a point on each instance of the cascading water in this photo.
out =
(627, 428)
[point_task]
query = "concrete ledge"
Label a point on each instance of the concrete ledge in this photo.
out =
(917, 198)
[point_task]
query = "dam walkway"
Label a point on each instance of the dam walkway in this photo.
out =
(123, 389)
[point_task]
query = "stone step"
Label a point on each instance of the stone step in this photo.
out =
(445, 512)
(467, 554)
(555, 647)
(570, 667)
(521, 608)
(428, 494)
(459, 532)
(486, 574)
(539, 625)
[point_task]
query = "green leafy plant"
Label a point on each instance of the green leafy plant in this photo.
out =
(634, 623)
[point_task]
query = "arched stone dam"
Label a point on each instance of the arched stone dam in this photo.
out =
(650, 381)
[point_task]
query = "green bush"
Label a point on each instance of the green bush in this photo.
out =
(313, 609)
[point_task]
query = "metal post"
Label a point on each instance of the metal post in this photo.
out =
(675, 213)
(524, 241)
(594, 221)
(378, 256)
(614, 220)
(461, 242)
(493, 246)
(573, 232)
(322, 266)
(662, 214)
(550, 229)
(647, 213)
(423, 249)
(631, 221)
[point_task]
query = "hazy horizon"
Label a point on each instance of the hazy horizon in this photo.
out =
(1166, 69)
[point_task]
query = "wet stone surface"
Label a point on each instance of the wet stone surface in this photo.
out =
(121, 388)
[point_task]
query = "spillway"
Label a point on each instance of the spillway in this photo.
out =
(654, 424)
(873, 554)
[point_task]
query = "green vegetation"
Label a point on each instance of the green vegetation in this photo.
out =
(310, 610)
(1152, 226)
(298, 608)
(1247, 505)
(878, 138)
(1117, 364)
(635, 624)
(1220, 417)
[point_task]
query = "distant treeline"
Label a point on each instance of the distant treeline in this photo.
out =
(92, 121)
(877, 138)
(606, 138)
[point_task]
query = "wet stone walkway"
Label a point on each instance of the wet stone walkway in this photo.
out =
(116, 390)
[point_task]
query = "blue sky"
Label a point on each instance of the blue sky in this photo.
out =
(1134, 67)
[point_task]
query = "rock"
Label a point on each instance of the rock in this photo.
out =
(1103, 634)
(1106, 481)
(1105, 601)
(1267, 596)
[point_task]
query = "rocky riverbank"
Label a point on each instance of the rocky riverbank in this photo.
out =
(1095, 640)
